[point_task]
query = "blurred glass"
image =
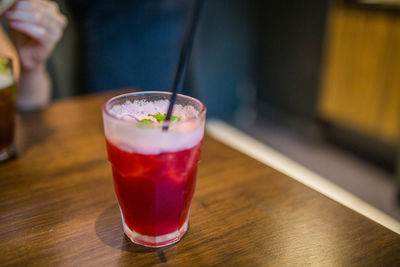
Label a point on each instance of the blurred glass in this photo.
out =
(7, 109)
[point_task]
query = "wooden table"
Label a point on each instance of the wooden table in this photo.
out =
(57, 207)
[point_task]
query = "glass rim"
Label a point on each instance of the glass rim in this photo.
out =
(106, 111)
(4, 56)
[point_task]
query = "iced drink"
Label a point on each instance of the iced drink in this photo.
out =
(7, 109)
(154, 171)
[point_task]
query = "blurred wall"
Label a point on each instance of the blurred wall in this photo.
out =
(64, 62)
(291, 41)
(333, 65)
(223, 67)
(360, 89)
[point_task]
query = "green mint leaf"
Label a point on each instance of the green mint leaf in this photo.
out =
(3, 65)
(145, 123)
(175, 118)
(159, 117)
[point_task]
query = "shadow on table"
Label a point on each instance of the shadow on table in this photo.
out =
(25, 137)
(109, 229)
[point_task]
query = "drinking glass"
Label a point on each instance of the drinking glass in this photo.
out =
(154, 170)
(7, 109)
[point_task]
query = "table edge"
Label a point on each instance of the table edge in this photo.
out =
(242, 142)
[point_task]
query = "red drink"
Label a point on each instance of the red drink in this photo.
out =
(154, 170)
(154, 191)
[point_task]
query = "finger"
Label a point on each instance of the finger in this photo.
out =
(23, 16)
(49, 5)
(30, 5)
(42, 14)
(34, 31)
(56, 19)
(52, 9)
(28, 17)
(23, 5)
(54, 23)
(41, 7)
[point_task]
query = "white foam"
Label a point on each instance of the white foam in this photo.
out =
(139, 110)
(126, 133)
(5, 80)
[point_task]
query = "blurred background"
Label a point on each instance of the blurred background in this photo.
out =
(318, 81)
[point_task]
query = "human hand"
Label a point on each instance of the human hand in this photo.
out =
(35, 28)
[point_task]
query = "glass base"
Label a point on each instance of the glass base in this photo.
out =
(155, 241)
(7, 153)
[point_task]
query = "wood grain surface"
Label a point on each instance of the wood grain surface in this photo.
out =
(57, 207)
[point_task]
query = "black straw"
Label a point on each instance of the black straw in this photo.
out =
(184, 58)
